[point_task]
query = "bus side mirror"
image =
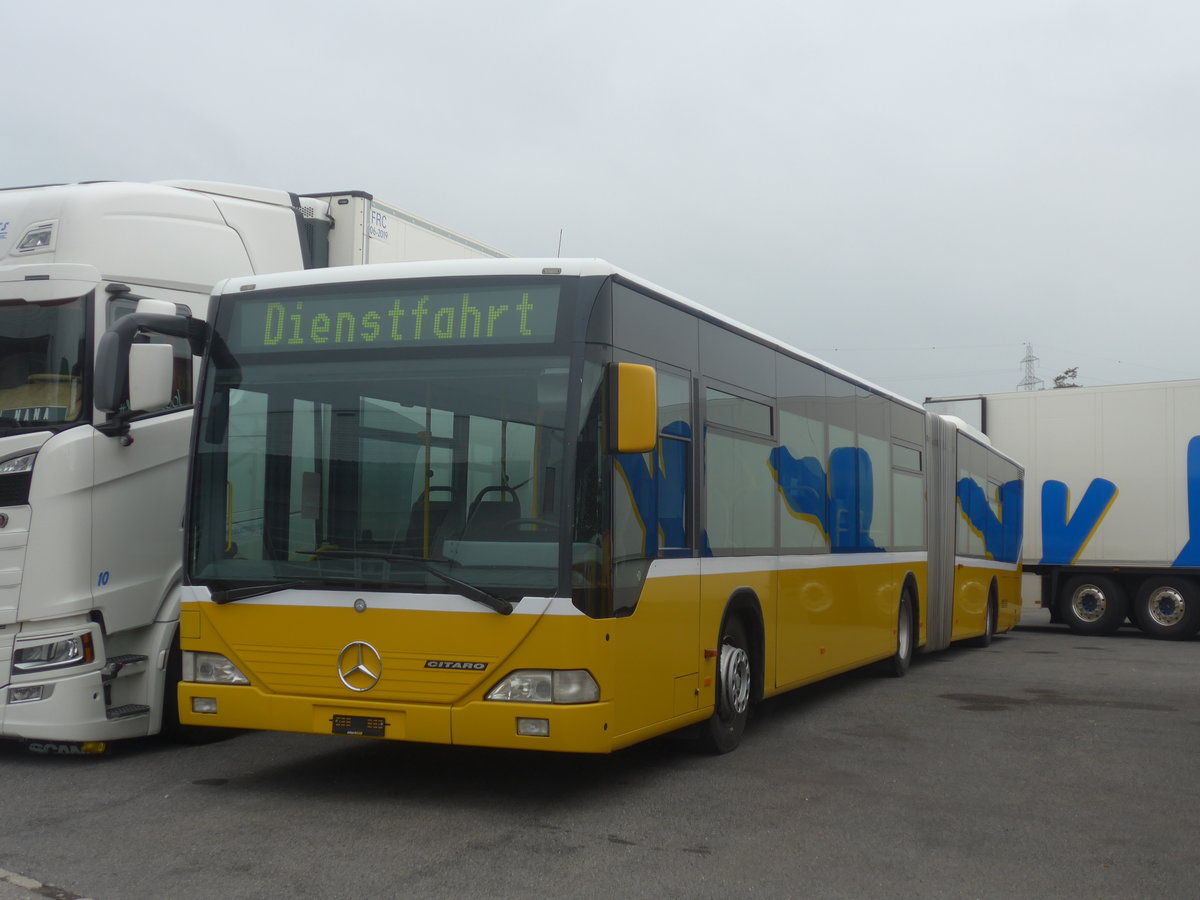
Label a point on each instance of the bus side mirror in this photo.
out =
(151, 367)
(633, 408)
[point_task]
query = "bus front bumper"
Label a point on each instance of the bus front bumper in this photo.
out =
(569, 728)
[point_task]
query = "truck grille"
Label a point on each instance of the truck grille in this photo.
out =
(14, 489)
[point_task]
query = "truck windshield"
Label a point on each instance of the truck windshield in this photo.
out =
(382, 473)
(42, 355)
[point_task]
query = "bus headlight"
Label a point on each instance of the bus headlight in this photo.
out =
(58, 653)
(211, 668)
(547, 686)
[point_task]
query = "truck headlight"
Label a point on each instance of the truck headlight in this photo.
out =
(39, 237)
(547, 686)
(211, 668)
(57, 653)
(17, 465)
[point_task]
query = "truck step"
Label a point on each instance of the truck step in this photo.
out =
(128, 664)
(128, 659)
(124, 712)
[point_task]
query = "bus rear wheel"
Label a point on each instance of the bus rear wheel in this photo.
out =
(1168, 608)
(990, 621)
(723, 730)
(897, 664)
(1093, 604)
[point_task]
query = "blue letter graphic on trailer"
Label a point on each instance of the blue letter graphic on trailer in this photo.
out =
(1190, 554)
(1063, 539)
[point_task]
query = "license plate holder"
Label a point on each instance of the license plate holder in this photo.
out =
(365, 726)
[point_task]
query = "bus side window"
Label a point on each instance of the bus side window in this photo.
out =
(672, 464)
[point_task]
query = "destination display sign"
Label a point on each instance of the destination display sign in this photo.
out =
(459, 316)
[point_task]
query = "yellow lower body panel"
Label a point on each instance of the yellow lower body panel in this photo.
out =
(972, 590)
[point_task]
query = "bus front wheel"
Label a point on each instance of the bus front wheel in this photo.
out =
(723, 730)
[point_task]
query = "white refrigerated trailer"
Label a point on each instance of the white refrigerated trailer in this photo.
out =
(1112, 509)
(88, 577)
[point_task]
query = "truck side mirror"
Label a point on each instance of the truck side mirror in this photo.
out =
(151, 367)
(116, 350)
(633, 408)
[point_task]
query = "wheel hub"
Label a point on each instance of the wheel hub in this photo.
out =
(1089, 603)
(1166, 606)
(735, 680)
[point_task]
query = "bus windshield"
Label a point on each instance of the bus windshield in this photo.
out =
(42, 352)
(381, 473)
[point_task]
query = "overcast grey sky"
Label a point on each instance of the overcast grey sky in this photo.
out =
(910, 190)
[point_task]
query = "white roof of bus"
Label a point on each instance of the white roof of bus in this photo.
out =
(449, 268)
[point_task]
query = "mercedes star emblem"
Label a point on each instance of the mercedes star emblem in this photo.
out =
(359, 666)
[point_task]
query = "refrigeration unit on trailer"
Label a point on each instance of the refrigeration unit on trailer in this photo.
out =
(91, 504)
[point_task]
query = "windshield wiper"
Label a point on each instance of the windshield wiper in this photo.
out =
(257, 590)
(472, 592)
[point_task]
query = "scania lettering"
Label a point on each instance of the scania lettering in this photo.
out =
(616, 515)
(91, 502)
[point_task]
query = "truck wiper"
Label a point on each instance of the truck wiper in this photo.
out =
(470, 591)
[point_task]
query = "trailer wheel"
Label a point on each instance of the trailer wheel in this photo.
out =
(1093, 604)
(1168, 608)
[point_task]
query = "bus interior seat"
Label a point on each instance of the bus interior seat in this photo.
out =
(440, 511)
(488, 517)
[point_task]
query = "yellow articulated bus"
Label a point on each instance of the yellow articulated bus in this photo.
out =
(544, 504)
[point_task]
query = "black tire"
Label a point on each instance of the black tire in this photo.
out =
(1168, 608)
(896, 665)
(723, 730)
(990, 620)
(1093, 604)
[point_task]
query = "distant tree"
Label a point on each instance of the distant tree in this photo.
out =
(1067, 378)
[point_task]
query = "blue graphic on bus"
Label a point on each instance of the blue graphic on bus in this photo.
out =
(660, 496)
(672, 485)
(1063, 538)
(842, 504)
(1001, 534)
